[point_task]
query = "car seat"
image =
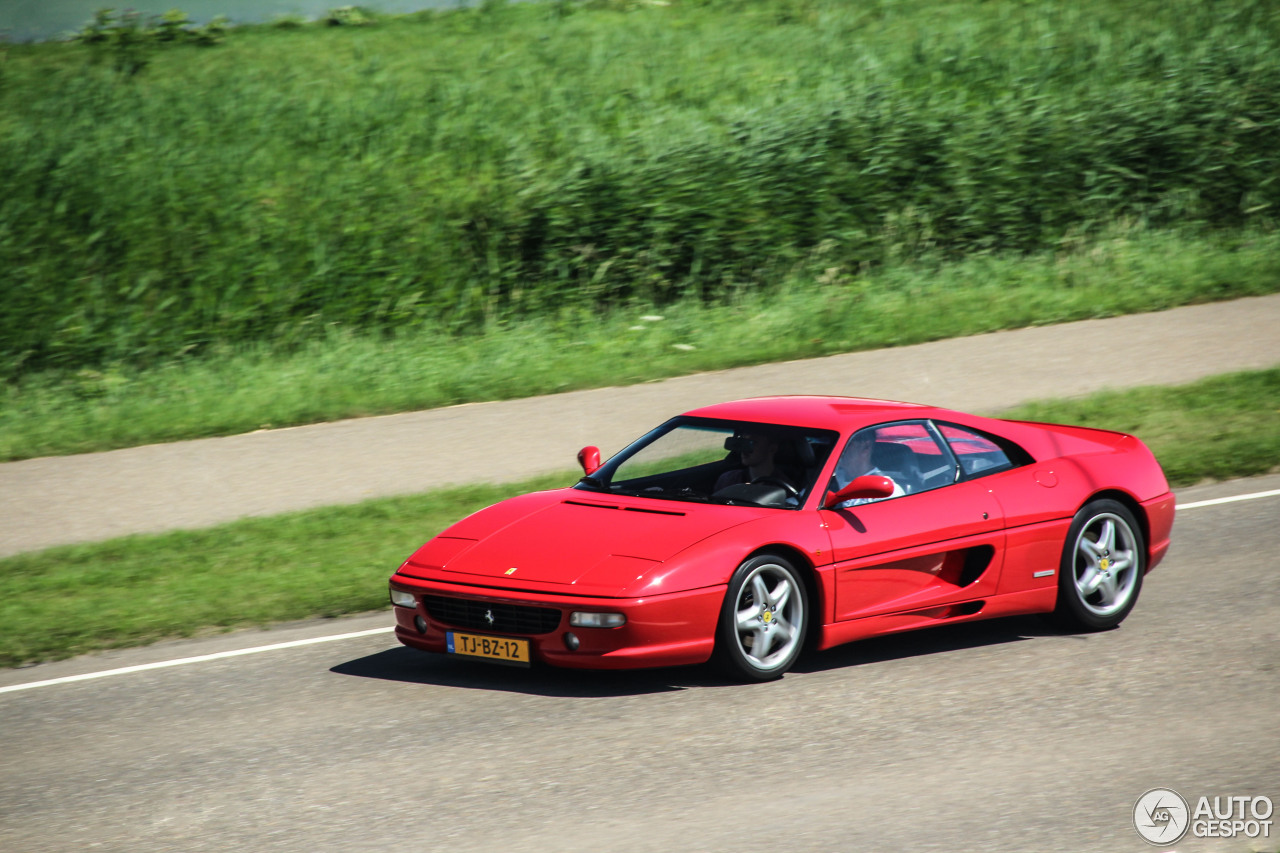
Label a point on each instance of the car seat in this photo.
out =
(796, 462)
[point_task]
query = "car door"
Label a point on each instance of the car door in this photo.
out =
(939, 544)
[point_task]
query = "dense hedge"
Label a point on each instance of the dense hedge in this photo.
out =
(515, 158)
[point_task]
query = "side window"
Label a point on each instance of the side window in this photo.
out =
(981, 454)
(906, 452)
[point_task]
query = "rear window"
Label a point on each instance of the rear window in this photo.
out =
(980, 454)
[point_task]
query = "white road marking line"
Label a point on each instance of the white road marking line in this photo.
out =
(294, 644)
(198, 659)
(1232, 499)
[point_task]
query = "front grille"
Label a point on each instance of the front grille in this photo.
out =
(506, 618)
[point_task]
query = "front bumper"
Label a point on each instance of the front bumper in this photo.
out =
(662, 630)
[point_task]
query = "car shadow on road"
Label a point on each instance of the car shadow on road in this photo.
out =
(932, 641)
(414, 667)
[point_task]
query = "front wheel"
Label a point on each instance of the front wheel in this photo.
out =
(1103, 561)
(763, 619)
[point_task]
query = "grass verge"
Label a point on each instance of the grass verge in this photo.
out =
(351, 375)
(1216, 429)
(70, 600)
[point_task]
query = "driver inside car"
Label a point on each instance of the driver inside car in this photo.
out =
(756, 452)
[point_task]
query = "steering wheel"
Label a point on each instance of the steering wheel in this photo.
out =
(792, 491)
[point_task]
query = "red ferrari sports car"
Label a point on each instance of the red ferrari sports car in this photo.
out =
(748, 531)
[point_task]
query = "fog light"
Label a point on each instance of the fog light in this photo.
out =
(420, 624)
(580, 619)
(571, 641)
(402, 599)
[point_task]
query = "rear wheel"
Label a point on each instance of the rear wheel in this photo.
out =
(1103, 561)
(763, 619)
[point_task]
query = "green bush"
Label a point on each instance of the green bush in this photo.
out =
(128, 38)
(349, 16)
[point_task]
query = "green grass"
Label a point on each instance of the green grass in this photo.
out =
(307, 223)
(69, 600)
(436, 172)
(350, 375)
(1220, 428)
(137, 589)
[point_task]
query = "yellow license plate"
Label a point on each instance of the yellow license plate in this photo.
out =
(494, 648)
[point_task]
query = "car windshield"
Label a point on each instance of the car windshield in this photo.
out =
(729, 462)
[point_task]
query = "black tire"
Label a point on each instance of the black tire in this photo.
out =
(766, 602)
(1103, 561)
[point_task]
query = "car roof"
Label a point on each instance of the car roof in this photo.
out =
(836, 413)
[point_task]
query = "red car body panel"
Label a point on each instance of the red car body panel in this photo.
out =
(978, 548)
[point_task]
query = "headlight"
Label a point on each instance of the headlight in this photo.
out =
(580, 619)
(403, 599)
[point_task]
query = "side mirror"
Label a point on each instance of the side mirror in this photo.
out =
(589, 459)
(866, 486)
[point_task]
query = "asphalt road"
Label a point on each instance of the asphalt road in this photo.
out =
(999, 736)
(86, 498)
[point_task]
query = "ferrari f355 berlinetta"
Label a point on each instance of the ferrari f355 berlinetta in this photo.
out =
(749, 531)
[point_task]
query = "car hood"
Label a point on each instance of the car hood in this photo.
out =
(598, 544)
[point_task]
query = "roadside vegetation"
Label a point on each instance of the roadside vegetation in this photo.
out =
(208, 230)
(327, 562)
(237, 389)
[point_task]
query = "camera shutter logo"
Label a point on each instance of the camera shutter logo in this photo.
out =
(1161, 817)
